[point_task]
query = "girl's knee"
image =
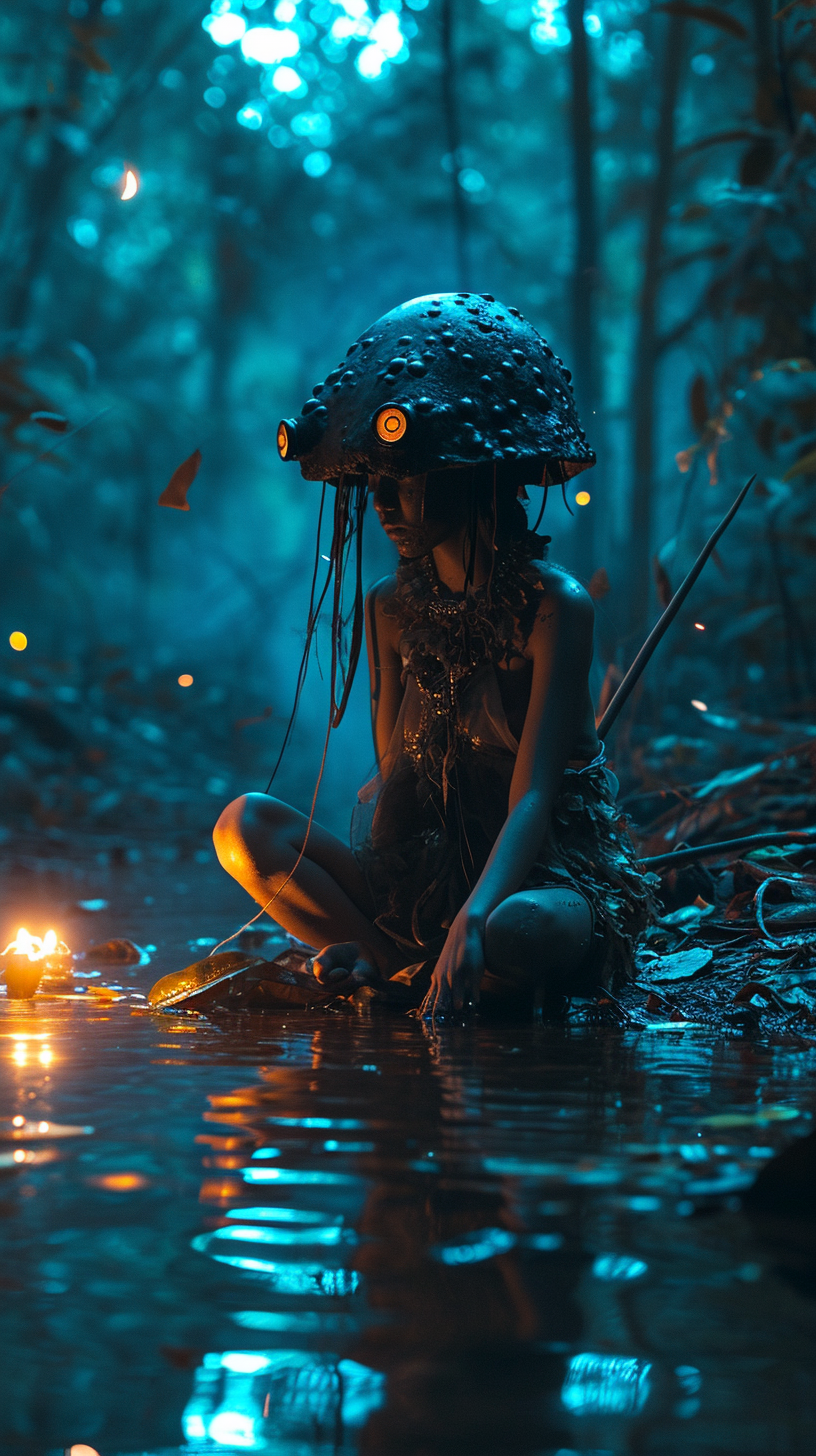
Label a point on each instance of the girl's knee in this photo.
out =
(245, 824)
(534, 931)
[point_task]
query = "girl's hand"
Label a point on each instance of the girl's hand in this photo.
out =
(458, 973)
(345, 966)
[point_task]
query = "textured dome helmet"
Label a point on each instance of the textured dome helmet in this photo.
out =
(446, 380)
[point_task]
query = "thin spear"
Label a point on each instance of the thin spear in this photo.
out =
(665, 621)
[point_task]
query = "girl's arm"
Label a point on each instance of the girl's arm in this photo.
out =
(561, 648)
(384, 669)
(558, 718)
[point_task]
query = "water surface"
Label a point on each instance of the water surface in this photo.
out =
(302, 1234)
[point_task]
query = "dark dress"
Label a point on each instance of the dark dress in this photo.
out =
(424, 827)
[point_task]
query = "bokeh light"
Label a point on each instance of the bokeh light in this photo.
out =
(130, 185)
(583, 498)
(186, 680)
(18, 641)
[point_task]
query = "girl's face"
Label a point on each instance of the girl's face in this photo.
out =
(421, 511)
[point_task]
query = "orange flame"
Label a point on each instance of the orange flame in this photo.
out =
(36, 947)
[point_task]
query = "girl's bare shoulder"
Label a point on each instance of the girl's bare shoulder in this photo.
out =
(564, 601)
(379, 599)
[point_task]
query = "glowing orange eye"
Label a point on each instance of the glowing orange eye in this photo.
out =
(391, 424)
(283, 440)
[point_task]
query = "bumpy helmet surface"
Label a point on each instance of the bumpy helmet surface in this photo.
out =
(446, 380)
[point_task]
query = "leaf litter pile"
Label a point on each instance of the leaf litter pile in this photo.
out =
(735, 946)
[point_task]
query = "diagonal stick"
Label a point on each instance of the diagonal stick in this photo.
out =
(665, 621)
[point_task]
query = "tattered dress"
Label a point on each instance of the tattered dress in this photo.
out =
(424, 827)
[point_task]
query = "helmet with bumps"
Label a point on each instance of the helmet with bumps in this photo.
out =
(446, 380)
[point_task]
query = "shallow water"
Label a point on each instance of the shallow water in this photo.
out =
(303, 1234)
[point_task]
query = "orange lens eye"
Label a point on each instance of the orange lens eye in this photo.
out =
(283, 440)
(391, 424)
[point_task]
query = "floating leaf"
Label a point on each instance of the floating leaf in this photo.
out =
(706, 15)
(50, 421)
(599, 584)
(804, 466)
(698, 402)
(682, 965)
(175, 493)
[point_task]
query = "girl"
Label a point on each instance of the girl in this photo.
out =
(487, 854)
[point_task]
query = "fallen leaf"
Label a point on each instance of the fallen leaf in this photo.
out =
(682, 965)
(175, 492)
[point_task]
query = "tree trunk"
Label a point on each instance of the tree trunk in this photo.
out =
(644, 373)
(584, 273)
(450, 103)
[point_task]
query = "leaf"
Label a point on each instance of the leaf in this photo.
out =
(662, 583)
(599, 584)
(698, 403)
(804, 466)
(729, 778)
(706, 15)
(49, 421)
(175, 492)
(682, 965)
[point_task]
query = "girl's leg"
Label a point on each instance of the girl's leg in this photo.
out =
(538, 941)
(258, 840)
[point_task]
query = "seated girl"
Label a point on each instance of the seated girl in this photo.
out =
(487, 854)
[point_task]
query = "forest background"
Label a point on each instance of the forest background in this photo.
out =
(199, 211)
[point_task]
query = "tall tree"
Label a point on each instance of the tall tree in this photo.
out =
(585, 261)
(647, 346)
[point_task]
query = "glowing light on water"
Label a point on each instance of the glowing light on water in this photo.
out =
(699, 705)
(244, 1362)
(605, 1385)
(295, 1175)
(18, 641)
(613, 1268)
(284, 1236)
(700, 626)
(480, 1245)
(130, 185)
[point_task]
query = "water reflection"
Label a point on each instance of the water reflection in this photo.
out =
(505, 1242)
(285, 1401)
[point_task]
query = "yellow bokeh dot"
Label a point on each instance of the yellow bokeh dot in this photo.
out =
(18, 641)
(186, 680)
(583, 498)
